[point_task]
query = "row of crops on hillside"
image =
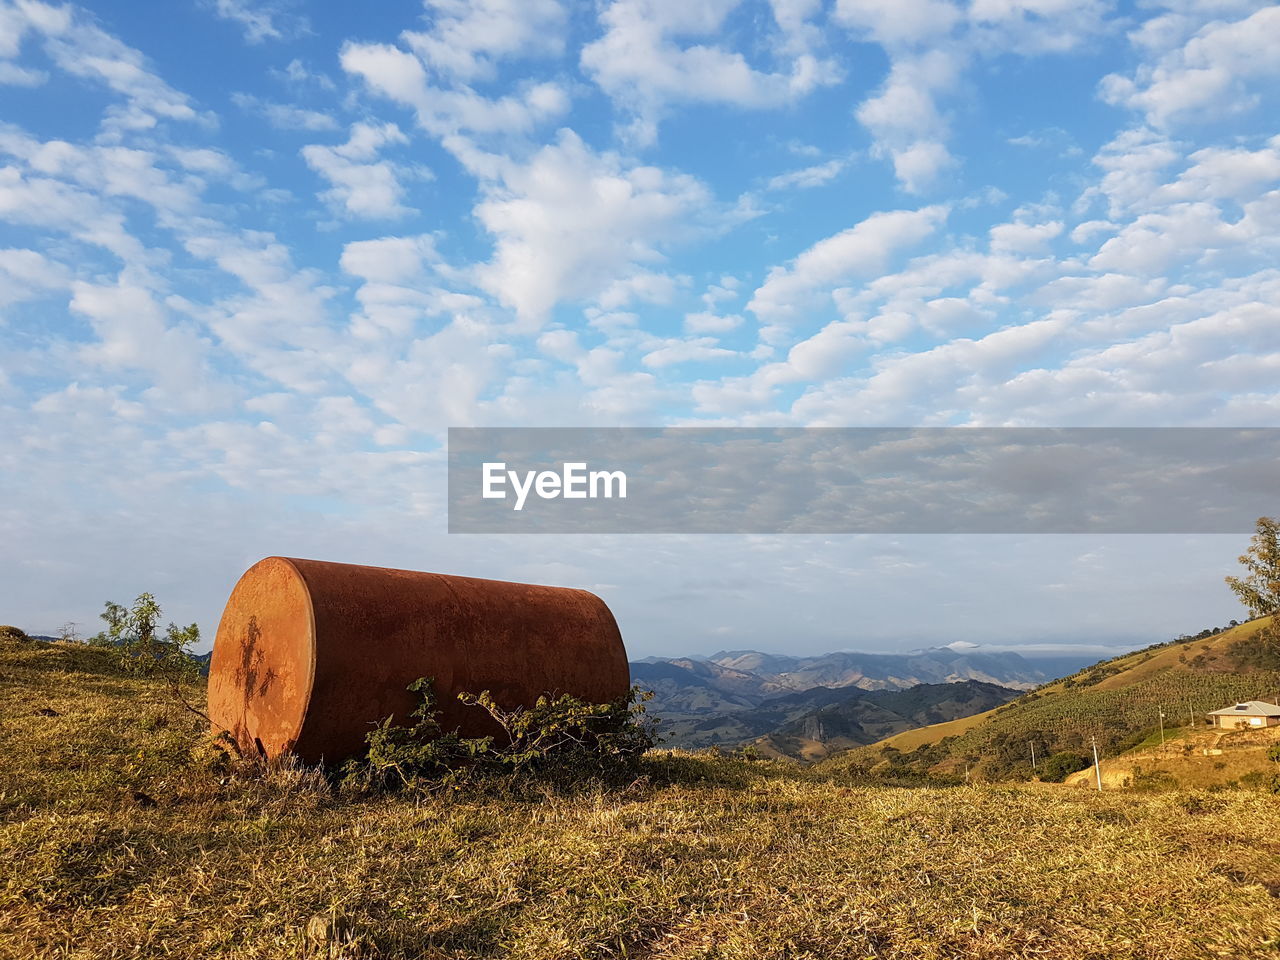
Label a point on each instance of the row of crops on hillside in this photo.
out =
(1063, 721)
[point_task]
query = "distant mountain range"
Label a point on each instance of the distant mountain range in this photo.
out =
(811, 706)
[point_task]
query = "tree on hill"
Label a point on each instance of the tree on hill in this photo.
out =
(1260, 590)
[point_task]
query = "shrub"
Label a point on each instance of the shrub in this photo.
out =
(1255, 780)
(1153, 780)
(12, 633)
(1060, 765)
(133, 633)
(559, 740)
(1260, 651)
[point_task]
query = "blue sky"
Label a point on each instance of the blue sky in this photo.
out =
(256, 257)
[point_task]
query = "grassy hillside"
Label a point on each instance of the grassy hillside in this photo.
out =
(1203, 759)
(1116, 701)
(123, 834)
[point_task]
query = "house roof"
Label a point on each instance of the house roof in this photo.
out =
(1250, 708)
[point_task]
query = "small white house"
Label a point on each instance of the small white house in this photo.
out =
(1251, 713)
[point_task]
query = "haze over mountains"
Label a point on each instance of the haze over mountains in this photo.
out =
(807, 706)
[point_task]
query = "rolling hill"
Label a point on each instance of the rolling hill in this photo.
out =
(125, 831)
(1116, 702)
(868, 716)
(812, 723)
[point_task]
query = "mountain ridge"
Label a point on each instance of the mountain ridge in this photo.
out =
(739, 696)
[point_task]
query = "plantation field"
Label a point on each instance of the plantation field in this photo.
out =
(122, 833)
(1117, 702)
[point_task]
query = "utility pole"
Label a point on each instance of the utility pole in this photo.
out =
(1162, 726)
(1032, 745)
(1097, 767)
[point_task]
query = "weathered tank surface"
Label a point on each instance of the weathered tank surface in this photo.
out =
(309, 655)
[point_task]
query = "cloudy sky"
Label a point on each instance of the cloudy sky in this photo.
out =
(257, 255)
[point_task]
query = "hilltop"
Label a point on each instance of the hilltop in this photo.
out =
(1117, 702)
(124, 833)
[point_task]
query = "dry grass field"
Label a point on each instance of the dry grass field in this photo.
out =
(123, 835)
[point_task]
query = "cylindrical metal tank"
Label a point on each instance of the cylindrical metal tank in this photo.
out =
(309, 655)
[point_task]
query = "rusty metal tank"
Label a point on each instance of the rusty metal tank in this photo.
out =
(310, 654)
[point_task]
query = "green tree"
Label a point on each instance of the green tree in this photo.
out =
(134, 633)
(1059, 766)
(1260, 590)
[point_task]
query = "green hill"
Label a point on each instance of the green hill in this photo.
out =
(1116, 702)
(865, 716)
(124, 834)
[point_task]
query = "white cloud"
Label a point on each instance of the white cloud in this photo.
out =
(904, 119)
(930, 43)
(808, 177)
(1135, 163)
(705, 322)
(645, 286)
(401, 77)
(902, 23)
(1191, 232)
(675, 351)
(572, 223)
(53, 205)
(1225, 173)
(279, 326)
(259, 19)
(642, 66)
(1038, 26)
(1024, 237)
(824, 354)
(469, 36)
(110, 171)
(297, 74)
(26, 274)
(82, 49)
(362, 186)
(15, 76)
(134, 333)
(1206, 77)
(395, 296)
(388, 259)
(285, 116)
(860, 251)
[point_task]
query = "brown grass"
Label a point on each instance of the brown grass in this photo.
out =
(121, 835)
